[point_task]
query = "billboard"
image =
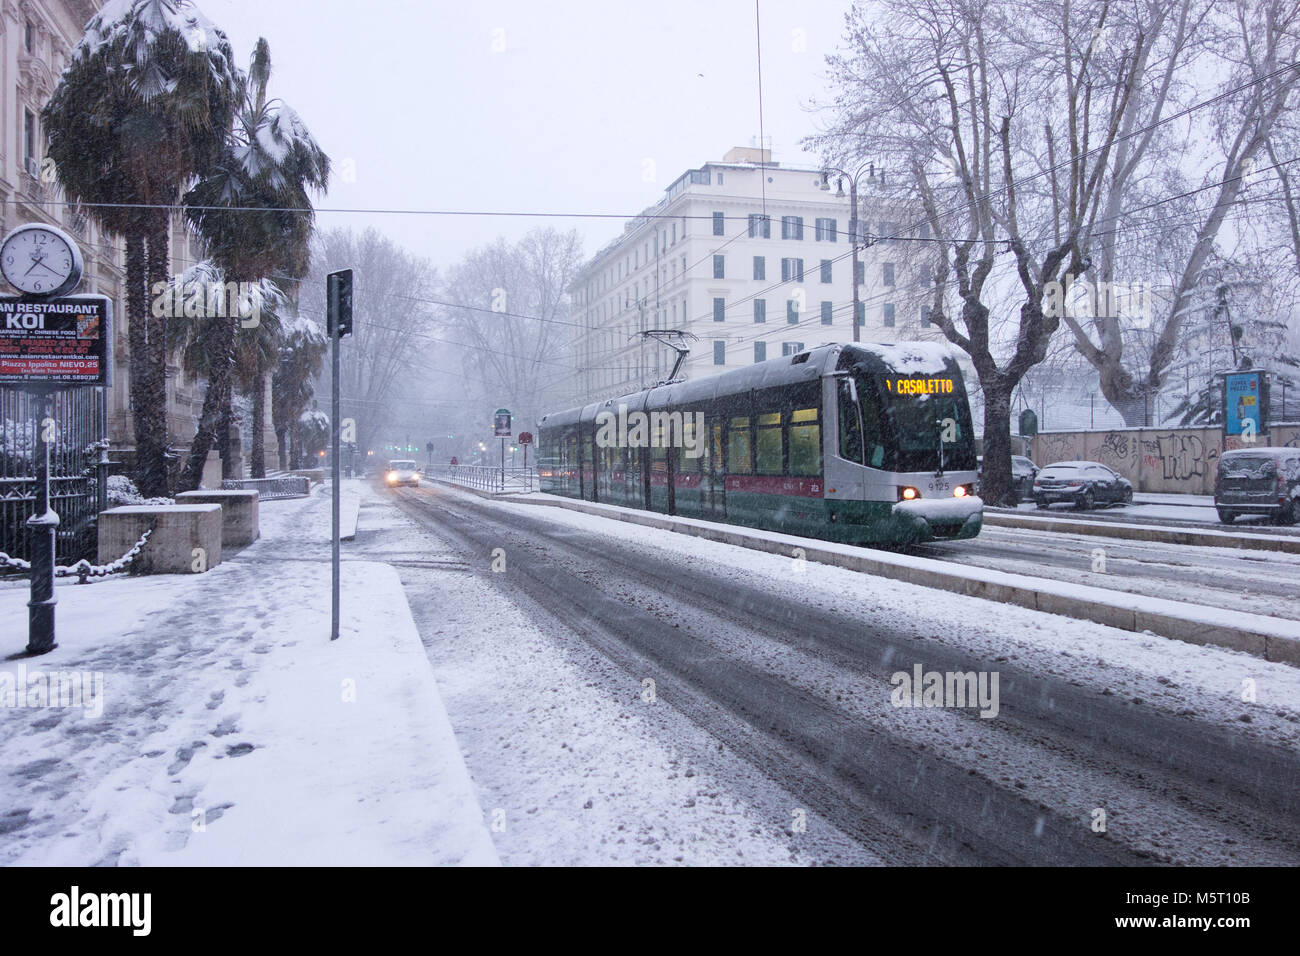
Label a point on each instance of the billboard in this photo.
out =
(501, 423)
(1243, 403)
(56, 342)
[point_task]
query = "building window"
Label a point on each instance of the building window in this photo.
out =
(889, 315)
(760, 267)
(888, 230)
(792, 311)
(861, 271)
(826, 313)
(826, 270)
(719, 352)
(719, 267)
(29, 139)
(925, 230)
(862, 313)
(719, 310)
(760, 226)
(29, 36)
(791, 270)
(674, 233)
(887, 273)
(760, 310)
(792, 227)
(719, 225)
(760, 351)
(925, 316)
(826, 229)
(791, 348)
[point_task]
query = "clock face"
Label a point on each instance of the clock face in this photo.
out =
(40, 260)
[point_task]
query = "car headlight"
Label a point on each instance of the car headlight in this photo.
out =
(392, 476)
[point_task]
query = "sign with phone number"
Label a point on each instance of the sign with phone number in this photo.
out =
(56, 342)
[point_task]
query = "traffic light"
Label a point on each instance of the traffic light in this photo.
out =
(338, 302)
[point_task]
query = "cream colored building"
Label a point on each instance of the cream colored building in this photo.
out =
(37, 38)
(754, 259)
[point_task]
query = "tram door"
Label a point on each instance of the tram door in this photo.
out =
(713, 494)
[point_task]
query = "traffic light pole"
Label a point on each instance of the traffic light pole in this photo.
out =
(332, 294)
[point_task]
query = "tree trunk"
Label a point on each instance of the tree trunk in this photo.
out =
(295, 447)
(257, 454)
(150, 466)
(995, 483)
(220, 363)
(152, 453)
(225, 423)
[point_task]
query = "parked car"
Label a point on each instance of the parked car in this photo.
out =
(1258, 481)
(402, 473)
(1085, 483)
(1023, 471)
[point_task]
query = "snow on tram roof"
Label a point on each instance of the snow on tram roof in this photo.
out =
(901, 358)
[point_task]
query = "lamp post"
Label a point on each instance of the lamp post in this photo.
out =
(853, 222)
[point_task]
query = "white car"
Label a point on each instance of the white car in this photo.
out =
(401, 473)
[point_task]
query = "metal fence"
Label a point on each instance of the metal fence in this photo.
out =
(487, 478)
(78, 470)
(268, 489)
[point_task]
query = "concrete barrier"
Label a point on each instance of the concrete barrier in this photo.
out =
(186, 538)
(239, 525)
(316, 475)
(1274, 639)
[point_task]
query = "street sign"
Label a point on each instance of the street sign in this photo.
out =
(525, 438)
(56, 343)
(1244, 403)
(501, 423)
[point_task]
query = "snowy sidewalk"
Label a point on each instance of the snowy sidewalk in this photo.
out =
(233, 731)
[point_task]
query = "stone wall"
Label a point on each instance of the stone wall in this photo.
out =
(1164, 460)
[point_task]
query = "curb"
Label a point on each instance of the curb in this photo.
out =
(1273, 639)
(1135, 532)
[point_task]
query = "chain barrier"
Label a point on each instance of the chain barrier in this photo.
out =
(83, 569)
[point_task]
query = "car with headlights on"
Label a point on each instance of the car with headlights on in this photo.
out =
(401, 473)
(1085, 484)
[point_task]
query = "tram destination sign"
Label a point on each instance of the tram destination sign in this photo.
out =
(56, 342)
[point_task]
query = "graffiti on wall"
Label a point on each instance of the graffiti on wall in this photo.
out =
(1182, 456)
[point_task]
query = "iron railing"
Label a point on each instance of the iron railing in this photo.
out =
(78, 470)
(487, 478)
(269, 489)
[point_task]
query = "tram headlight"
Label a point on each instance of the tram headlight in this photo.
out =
(908, 494)
(959, 491)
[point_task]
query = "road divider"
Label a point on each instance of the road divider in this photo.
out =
(1272, 638)
(1196, 537)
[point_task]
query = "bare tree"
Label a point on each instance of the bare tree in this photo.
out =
(1004, 121)
(510, 313)
(393, 319)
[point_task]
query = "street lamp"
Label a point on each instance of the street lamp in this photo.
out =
(853, 220)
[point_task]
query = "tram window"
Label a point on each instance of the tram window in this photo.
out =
(685, 463)
(850, 426)
(768, 444)
(716, 460)
(873, 434)
(805, 443)
(738, 458)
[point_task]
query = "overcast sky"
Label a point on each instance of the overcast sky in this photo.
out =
(412, 97)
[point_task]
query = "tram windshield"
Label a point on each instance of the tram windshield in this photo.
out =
(917, 422)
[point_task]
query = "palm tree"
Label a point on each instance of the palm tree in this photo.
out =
(143, 106)
(255, 215)
(256, 352)
(302, 355)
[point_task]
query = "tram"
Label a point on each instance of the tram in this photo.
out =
(861, 444)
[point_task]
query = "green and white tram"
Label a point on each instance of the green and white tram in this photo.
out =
(864, 444)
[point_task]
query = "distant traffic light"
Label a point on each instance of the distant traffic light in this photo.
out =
(338, 287)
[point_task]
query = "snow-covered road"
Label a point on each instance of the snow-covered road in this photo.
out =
(775, 697)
